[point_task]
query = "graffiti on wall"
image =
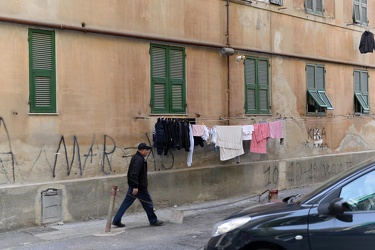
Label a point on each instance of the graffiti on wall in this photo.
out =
(9, 165)
(316, 138)
(272, 174)
(302, 172)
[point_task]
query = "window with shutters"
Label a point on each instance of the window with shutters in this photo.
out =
(257, 86)
(42, 72)
(317, 98)
(315, 7)
(168, 85)
(277, 2)
(361, 99)
(360, 12)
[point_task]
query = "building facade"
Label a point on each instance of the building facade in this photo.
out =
(82, 80)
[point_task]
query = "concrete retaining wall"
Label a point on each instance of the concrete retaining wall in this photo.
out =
(87, 199)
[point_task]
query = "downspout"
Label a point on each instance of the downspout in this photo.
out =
(228, 68)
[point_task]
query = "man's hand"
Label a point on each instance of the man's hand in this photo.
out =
(135, 191)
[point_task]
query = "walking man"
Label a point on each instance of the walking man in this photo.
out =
(137, 181)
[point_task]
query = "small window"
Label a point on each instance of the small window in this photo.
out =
(167, 79)
(42, 71)
(317, 98)
(360, 12)
(315, 7)
(257, 86)
(361, 100)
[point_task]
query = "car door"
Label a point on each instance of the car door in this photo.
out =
(354, 229)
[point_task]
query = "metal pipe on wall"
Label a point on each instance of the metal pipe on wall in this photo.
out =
(178, 41)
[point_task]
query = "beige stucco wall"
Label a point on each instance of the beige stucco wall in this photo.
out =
(103, 81)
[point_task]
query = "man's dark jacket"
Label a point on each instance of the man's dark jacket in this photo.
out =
(367, 42)
(137, 172)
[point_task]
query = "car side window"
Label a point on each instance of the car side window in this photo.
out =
(360, 193)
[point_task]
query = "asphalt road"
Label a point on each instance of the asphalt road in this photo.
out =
(186, 228)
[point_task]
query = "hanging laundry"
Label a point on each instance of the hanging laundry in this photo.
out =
(367, 43)
(229, 139)
(206, 135)
(191, 148)
(258, 143)
(276, 129)
(247, 131)
(171, 134)
(198, 130)
(160, 137)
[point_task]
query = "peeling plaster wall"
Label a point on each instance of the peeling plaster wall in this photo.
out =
(103, 82)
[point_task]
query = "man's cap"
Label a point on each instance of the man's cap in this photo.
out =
(143, 146)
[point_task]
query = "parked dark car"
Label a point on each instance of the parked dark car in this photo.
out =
(340, 214)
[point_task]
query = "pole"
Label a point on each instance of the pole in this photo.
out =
(110, 211)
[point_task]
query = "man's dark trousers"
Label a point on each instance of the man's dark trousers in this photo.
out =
(145, 199)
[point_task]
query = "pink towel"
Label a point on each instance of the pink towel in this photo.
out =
(276, 129)
(258, 143)
(198, 130)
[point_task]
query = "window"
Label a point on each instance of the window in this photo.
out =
(277, 2)
(257, 86)
(315, 7)
(317, 99)
(360, 11)
(361, 104)
(360, 193)
(42, 71)
(168, 84)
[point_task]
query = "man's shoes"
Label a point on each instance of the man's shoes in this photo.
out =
(118, 224)
(158, 223)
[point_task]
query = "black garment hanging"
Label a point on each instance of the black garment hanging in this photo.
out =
(367, 44)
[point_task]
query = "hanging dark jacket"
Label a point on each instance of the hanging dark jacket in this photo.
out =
(367, 43)
(160, 138)
(137, 172)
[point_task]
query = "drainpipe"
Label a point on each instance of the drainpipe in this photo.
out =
(228, 68)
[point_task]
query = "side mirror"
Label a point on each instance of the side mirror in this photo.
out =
(337, 206)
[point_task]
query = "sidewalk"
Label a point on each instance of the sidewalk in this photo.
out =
(136, 223)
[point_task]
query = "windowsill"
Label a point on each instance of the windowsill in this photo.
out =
(314, 14)
(248, 115)
(361, 114)
(169, 114)
(43, 114)
(316, 114)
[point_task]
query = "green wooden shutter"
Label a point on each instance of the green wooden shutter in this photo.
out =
(319, 7)
(309, 5)
(364, 11)
(42, 71)
(360, 11)
(263, 86)
(168, 87)
(159, 89)
(250, 86)
(364, 82)
(310, 77)
(278, 2)
(357, 87)
(319, 78)
(364, 88)
(177, 79)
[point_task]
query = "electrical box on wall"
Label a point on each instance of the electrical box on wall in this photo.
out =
(51, 205)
